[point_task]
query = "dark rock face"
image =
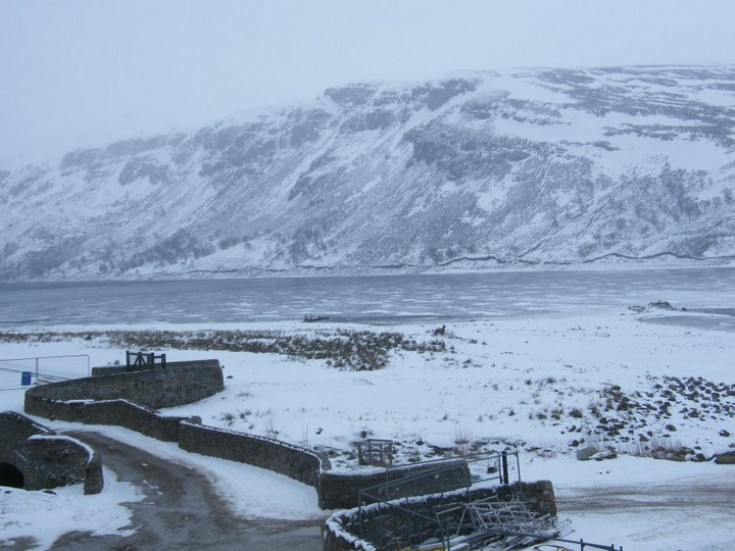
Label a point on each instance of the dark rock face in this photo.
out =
(458, 155)
(548, 166)
(143, 168)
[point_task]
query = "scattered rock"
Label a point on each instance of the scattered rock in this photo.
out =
(661, 305)
(727, 458)
(605, 454)
(655, 305)
(669, 454)
(586, 453)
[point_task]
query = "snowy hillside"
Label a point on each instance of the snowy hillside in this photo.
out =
(537, 166)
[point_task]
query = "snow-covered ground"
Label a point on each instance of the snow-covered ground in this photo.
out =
(543, 384)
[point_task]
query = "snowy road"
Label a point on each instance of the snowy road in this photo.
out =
(700, 497)
(182, 511)
(697, 514)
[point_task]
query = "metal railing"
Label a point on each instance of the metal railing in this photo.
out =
(144, 360)
(39, 375)
(583, 545)
(376, 452)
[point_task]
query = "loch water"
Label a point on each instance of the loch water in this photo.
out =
(369, 299)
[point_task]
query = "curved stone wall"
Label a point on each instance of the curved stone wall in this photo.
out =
(356, 530)
(47, 460)
(127, 399)
(177, 384)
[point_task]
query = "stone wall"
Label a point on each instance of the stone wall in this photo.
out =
(342, 531)
(45, 459)
(122, 369)
(126, 398)
(340, 490)
(176, 384)
(122, 413)
(297, 463)
(336, 490)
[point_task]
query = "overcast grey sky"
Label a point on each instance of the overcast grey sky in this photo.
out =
(83, 72)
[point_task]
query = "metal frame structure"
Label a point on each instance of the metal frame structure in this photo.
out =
(143, 360)
(376, 452)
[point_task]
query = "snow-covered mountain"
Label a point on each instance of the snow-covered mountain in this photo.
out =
(534, 166)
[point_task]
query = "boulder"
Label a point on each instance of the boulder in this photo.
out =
(605, 454)
(586, 453)
(669, 454)
(727, 458)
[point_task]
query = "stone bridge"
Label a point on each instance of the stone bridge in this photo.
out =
(34, 457)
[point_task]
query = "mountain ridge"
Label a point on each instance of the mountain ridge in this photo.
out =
(532, 167)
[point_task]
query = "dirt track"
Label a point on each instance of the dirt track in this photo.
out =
(182, 511)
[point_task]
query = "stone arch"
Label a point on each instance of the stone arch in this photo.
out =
(11, 476)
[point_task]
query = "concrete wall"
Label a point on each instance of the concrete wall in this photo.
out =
(45, 459)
